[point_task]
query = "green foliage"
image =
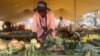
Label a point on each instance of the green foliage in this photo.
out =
(59, 41)
(49, 42)
(53, 41)
(83, 48)
(11, 52)
(69, 52)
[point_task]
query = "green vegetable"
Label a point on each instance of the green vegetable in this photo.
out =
(59, 41)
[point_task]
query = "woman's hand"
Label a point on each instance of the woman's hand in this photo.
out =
(34, 34)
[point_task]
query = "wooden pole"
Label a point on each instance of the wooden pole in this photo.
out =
(75, 12)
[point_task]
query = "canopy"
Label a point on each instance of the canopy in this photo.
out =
(16, 10)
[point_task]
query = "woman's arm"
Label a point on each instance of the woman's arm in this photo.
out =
(34, 25)
(52, 23)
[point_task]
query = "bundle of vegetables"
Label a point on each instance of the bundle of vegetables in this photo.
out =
(35, 44)
(11, 52)
(72, 53)
(4, 50)
(69, 52)
(39, 53)
(95, 51)
(83, 48)
(32, 49)
(59, 43)
(97, 40)
(49, 42)
(70, 45)
(88, 50)
(54, 44)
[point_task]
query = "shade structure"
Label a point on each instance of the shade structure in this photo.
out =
(16, 10)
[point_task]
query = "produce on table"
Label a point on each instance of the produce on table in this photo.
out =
(3, 46)
(56, 48)
(33, 41)
(17, 45)
(27, 46)
(23, 44)
(88, 53)
(54, 44)
(59, 40)
(35, 44)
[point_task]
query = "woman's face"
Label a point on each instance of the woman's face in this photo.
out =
(43, 13)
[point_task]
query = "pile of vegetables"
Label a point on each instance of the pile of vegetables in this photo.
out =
(52, 47)
(3, 45)
(35, 43)
(16, 45)
(54, 44)
(33, 49)
(11, 48)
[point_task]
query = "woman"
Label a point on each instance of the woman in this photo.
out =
(43, 22)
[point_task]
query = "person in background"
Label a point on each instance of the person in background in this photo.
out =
(61, 22)
(43, 22)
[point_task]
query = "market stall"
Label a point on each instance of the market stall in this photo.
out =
(68, 41)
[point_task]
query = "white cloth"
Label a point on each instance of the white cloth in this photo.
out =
(62, 23)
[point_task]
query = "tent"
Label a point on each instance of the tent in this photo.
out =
(17, 10)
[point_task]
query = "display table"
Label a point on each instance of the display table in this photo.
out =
(20, 35)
